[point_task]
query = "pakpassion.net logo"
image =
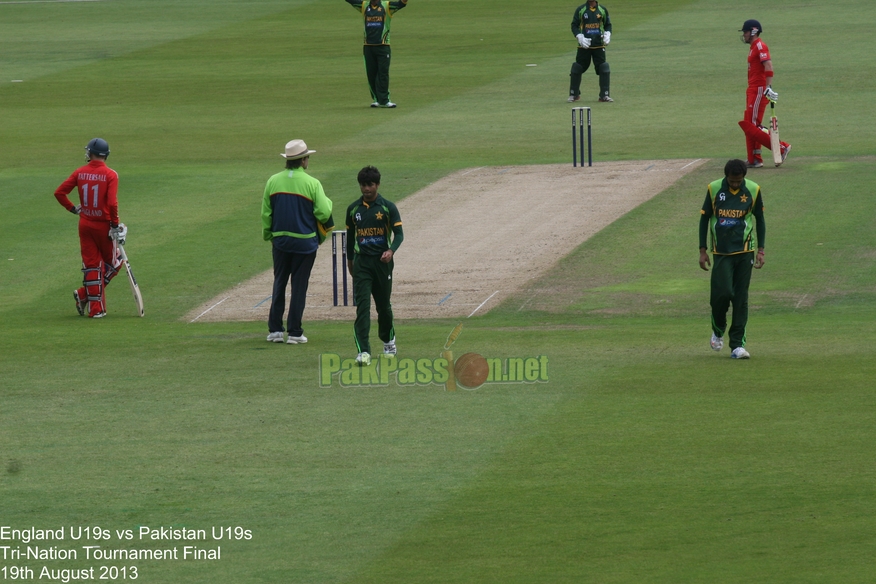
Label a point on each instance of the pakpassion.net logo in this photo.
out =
(468, 371)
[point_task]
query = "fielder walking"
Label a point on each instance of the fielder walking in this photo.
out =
(99, 227)
(374, 233)
(726, 219)
(294, 209)
(591, 26)
(759, 93)
(377, 52)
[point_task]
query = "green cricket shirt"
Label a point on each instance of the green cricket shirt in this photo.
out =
(377, 18)
(373, 227)
(591, 23)
(733, 219)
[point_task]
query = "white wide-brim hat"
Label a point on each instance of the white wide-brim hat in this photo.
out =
(296, 149)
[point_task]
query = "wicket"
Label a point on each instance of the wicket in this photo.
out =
(578, 121)
(343, 235)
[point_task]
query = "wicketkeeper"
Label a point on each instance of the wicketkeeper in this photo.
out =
(99, 226)
(591, 27)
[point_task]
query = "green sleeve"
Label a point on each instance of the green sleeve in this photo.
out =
(758, 215)
(576, 21)
(267, 214)
(705, 215)
(322, 205)
(398, 237)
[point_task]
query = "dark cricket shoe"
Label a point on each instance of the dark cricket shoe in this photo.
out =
(81, 304)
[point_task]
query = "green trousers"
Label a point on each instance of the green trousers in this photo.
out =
(377, 58)
(372, 278)
(731, 276)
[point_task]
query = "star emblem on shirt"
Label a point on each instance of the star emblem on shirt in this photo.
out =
(379, 215)
(743, 198)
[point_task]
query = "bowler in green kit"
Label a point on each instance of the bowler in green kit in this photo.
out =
(732, 218)
(374, 233)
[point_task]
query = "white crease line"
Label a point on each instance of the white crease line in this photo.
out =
(482, 303)
(694, 162)
(209, 309)
(471, 170)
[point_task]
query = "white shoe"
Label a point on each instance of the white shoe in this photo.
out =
(363, 359)
(297, 340)
(605, 98)
(389, 348)
(740, 353)
(717, 342)
(276, 337)
(574, 98)
(99, 315)
(375, 104)
(389, 104)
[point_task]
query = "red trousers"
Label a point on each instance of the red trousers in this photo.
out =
(756, 137)
(99, 263)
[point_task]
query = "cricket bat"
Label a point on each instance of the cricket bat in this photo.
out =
(775, 143)
(135, 289)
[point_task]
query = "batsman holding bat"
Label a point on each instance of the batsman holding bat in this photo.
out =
(99, 227)
(760, 92)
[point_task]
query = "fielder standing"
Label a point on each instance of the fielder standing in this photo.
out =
(591, 26)
(377, 52)
(759, 93)
(726, 216)
(99, 228)
(294, 207)
(374, 233)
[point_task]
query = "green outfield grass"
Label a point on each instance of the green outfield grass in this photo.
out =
(645, 457)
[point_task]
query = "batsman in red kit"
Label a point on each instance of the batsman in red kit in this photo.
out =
(99, 228)
(758, 95)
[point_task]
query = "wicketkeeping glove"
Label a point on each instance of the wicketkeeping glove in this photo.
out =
(583, 41)
(770, 94)
(606, 37)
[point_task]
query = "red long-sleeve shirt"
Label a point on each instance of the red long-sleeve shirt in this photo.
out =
(98, 192)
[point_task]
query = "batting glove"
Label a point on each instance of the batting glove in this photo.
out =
(123, 233)
(771, 95)
(606, 37)
(76, 209)
(114, 233)
(583, 41)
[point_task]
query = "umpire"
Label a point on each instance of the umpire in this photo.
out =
(294, 209)
(727, 214)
